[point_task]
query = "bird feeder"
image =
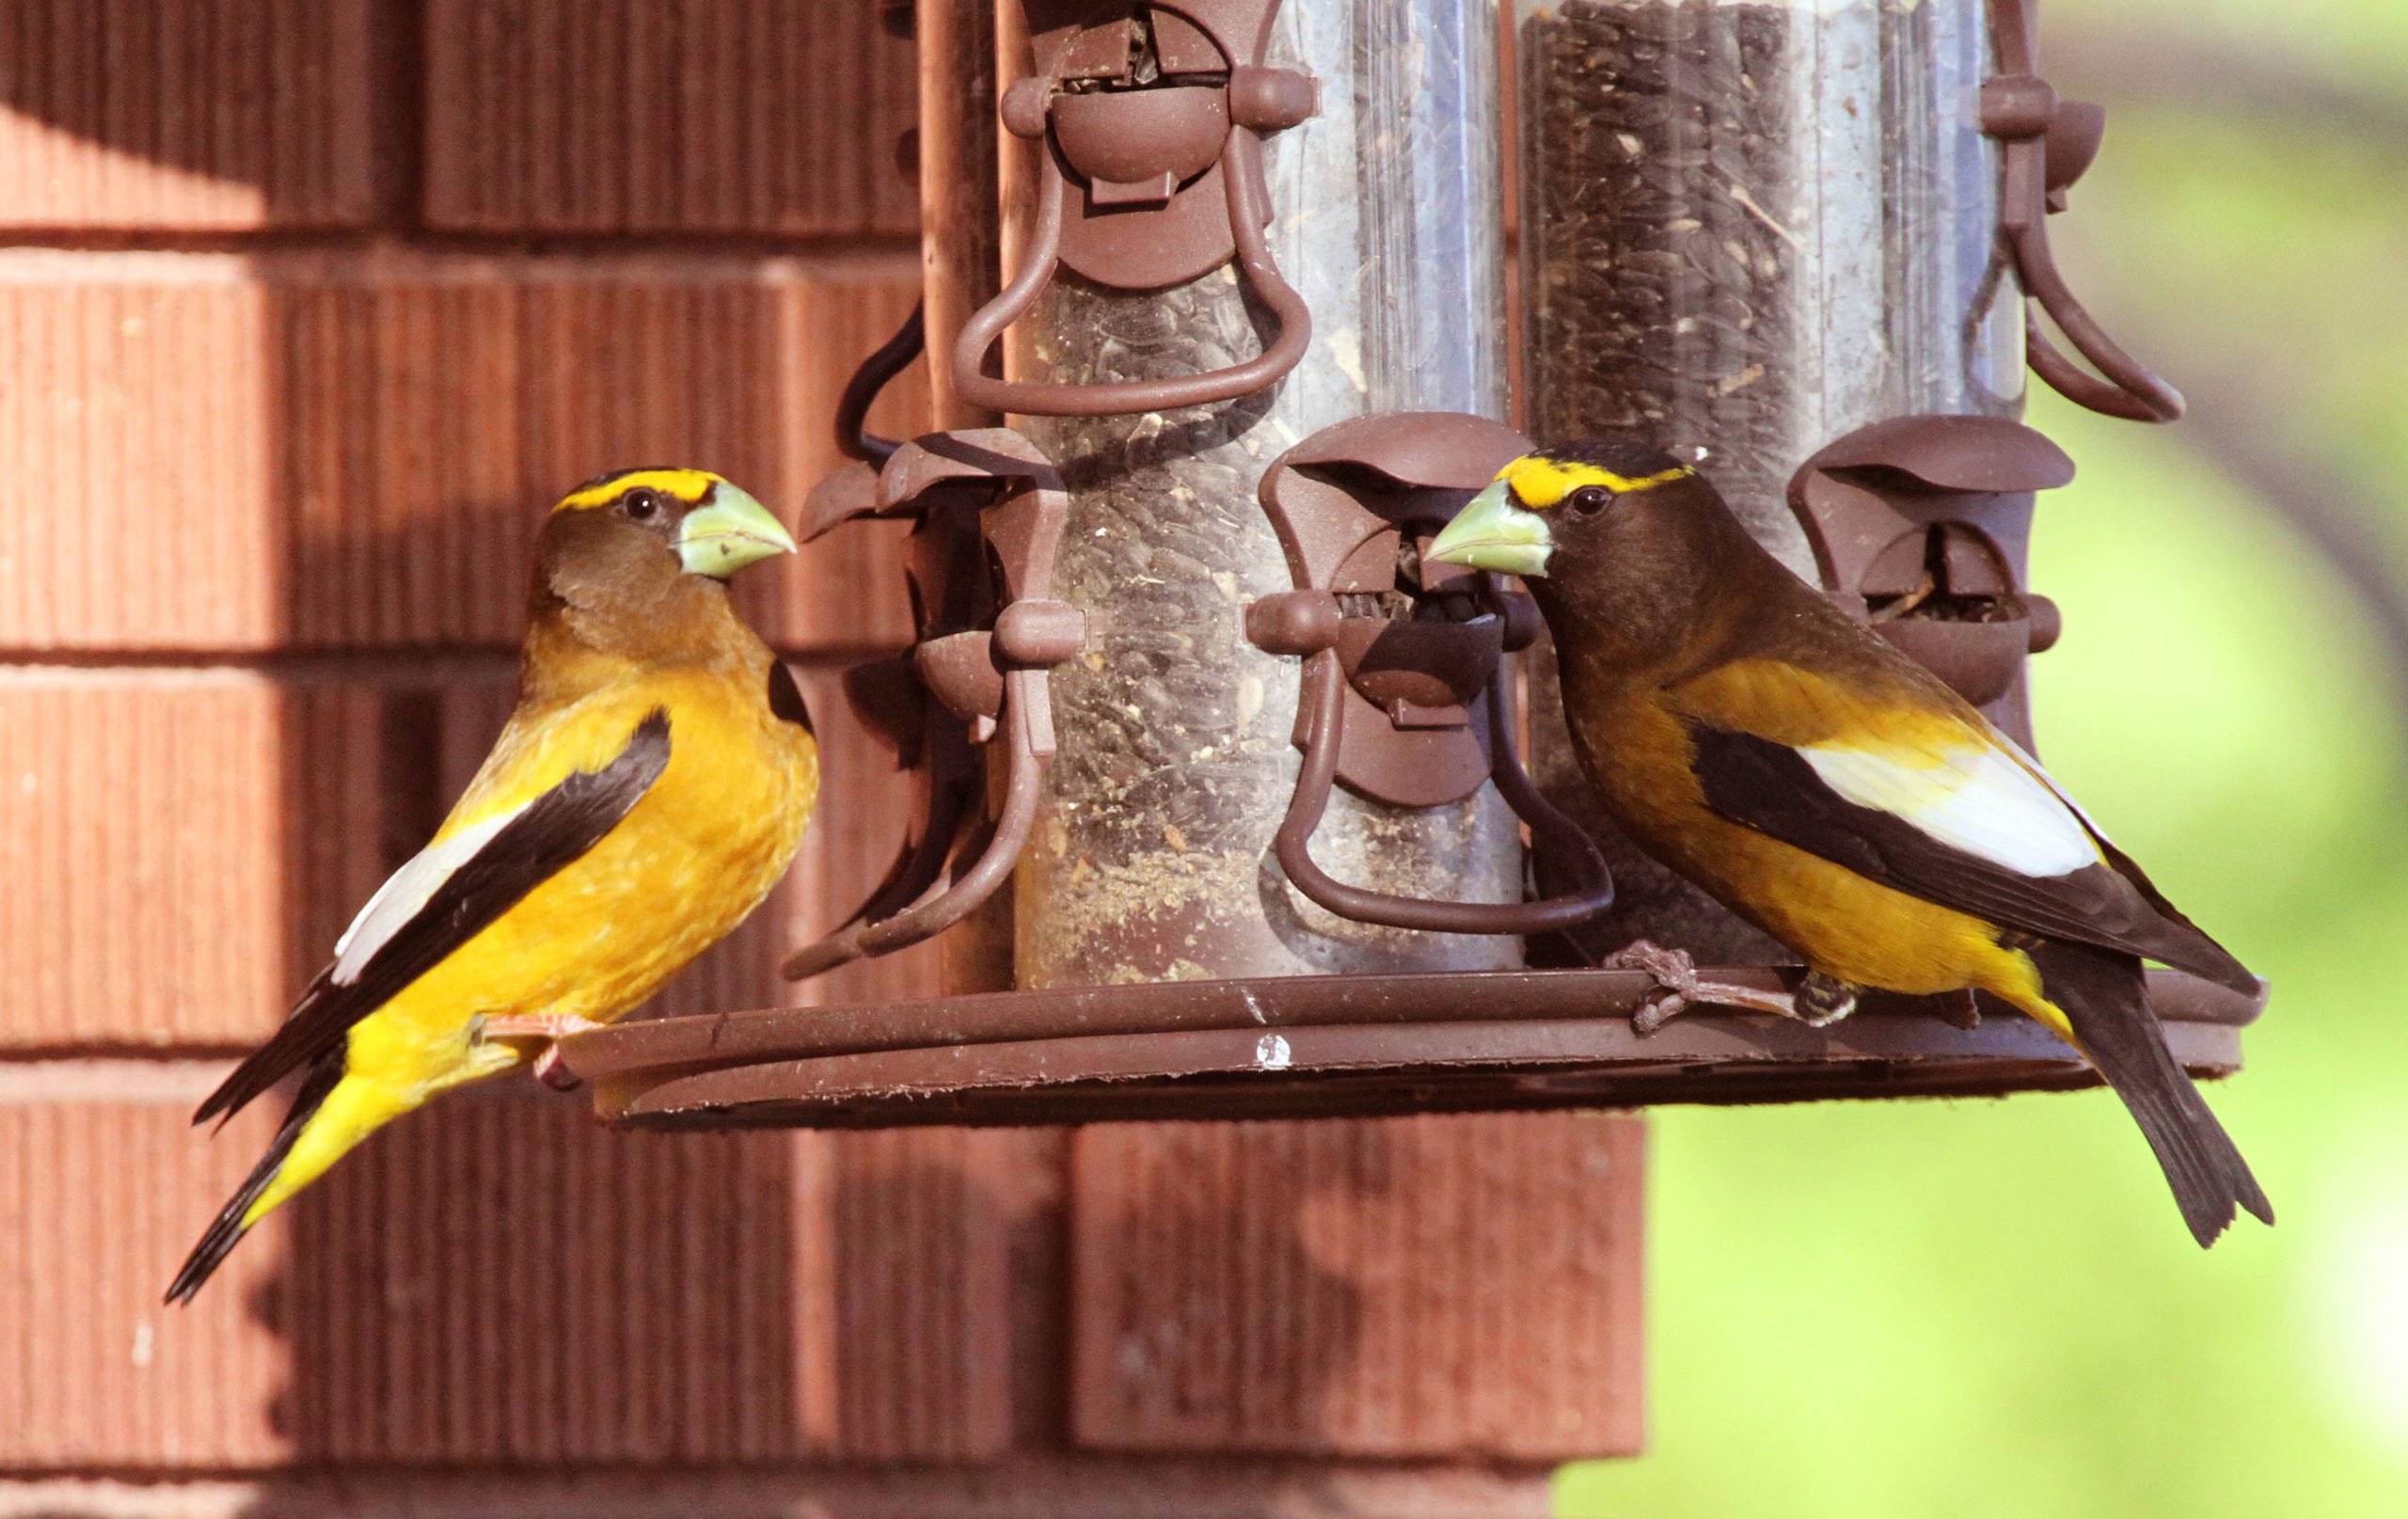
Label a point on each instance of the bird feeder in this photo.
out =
(1189, 709)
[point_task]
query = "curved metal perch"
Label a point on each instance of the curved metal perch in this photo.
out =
(853, 438)
(982, 681)
(1323, 728)
(1145, 148)
(1249, 209)
(2044, 145)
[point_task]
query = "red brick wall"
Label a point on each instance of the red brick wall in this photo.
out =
(307, 307)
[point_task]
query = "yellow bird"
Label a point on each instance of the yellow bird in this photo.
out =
(652, 785)
(1834, 793)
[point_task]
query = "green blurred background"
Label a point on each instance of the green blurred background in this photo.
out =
(1991, 1308)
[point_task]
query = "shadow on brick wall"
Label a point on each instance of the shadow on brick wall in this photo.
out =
(1219, 1305)
(1422, 1288)
(496, 1281)
(207, 115)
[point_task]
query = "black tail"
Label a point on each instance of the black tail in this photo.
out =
(227, 1230)
(2105, 999)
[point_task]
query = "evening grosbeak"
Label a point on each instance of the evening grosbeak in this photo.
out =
(653, 783)
(1831, 791)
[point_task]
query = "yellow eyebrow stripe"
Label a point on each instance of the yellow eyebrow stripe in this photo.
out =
(1538, 482)
(688, 485)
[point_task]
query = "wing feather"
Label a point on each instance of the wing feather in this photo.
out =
(404, 895)
(1940, 807)
(452, 894)
(1976, 799)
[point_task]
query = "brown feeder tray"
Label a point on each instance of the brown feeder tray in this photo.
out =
(1327, 1047)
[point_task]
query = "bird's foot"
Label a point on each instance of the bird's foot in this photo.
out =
(1821, 999)
(1676, 977)
(1959, 1010)
(549, 1068)
(552, 1069)
(535, 1026)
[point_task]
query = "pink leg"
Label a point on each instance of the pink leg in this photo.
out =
(537, 1026)
(549, 1068)
(1676, 974)
(553, 1071)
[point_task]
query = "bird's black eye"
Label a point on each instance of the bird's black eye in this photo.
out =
(641, 504)
(1591, 499)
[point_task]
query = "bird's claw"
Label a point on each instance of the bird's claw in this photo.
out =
(1679, 988)
(1960, 1010)
(1661, 1007)
(552, 1069)
(549, 1067)
(1675, 977)
(535, 1026)
(1821, 999)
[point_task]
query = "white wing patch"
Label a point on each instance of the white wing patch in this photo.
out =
(406, 892)
(2025, 759)
(1977, 800)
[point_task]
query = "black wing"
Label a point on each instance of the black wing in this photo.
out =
(226, 1230)
(556, 829)
(1770, 787)
(785, 698)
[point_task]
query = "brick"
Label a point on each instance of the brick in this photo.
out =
(1029, 1487)
(501, 1281)
(662, 116)
(196, 839)
(150, 810)
(343, 452)
(188, 115)
(1430, 1287)
(98, 1204)
(139, 513)
(498, 1280)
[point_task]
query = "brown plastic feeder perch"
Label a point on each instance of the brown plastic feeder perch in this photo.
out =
(1920, 526)
(1196, 587)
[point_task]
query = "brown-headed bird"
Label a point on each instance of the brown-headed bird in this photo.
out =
(1831, 791)
(652, 785)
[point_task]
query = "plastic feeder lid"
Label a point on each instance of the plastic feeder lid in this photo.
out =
(1326, 1046)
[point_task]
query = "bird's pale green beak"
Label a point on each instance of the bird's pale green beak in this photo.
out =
(729, 532)
(1492, 534)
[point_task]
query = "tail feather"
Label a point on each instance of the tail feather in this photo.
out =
(229, 1228)
(2104, 998)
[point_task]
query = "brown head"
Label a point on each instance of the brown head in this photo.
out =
(634, 563)
(1630, 553)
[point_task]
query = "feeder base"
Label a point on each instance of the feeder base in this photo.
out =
(1332, 1047)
